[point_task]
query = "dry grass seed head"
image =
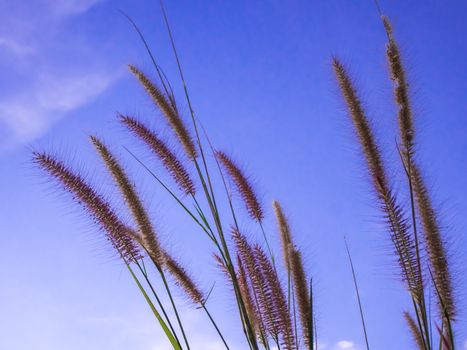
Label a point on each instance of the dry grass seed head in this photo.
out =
(251, 309)
(394, 214)
(301, 291)
(183, 279)
(401, 90)
(259, 285)
(414, 330)
(132, 200)
(275, 297)
(221, 265)
(95, 205)
(284, 232)
(435, 245)
(165, 106)
(243, 186)
(170, 161)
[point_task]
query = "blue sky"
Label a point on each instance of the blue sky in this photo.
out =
(260, 79)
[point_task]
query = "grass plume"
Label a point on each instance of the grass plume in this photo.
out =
(146, 230)
(183, 279)
(393, 212)
(162, 151)
(275, 299)
(401, 90)
(173, 118)
(95, 205)
(434, 244)
(284, 232)
(243, 186)
(260, 287)
(246, 292)
(414, 330)
(302, 293)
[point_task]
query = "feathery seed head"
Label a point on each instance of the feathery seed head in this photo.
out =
(362, 126)
(401, 90)
(284, 232)
(221, 264)
(132, 200)
(275, 296)
(394, 215)
(243, 186)
(414, 330)
(246, 293)
(162, 151)
(259, 286)
(435, 245)
(173, 118)
(183, 279)
(94, 204)
(301, 291)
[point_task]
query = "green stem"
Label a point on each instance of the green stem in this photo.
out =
(215, 325)
(420, 300)
(417, 250)
(166, 330)
(169, 293)
(169, 191)
(310, 331)
(268, 246)
(143, 272)
(358, 294)
(211, 201)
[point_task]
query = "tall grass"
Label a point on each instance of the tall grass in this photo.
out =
(403, 219)
(272, 313)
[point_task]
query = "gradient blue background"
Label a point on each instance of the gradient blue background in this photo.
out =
(260, 79)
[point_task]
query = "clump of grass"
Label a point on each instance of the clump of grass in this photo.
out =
(271, 312)
(403, 218)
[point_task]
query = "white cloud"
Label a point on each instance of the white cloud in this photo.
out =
(43, 98)
(15, 47)
(465, 345)
(29, 115)
(345, 345)
(70, 7)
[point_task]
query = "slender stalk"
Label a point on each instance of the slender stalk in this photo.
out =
(312, 323)
(267, 245)
(169, 293)
(171, 337)
(294, 313)
(167, 288)
(417, 250)
(149, 51)
(211, 201)
(358, 294)
(215, 325)
(406, 163)
(143, 272)
(170, 192)
(440, 331)
(447, 320)
(224, 182)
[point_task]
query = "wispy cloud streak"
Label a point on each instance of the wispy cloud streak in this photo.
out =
(30, 114)
(46, 93)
